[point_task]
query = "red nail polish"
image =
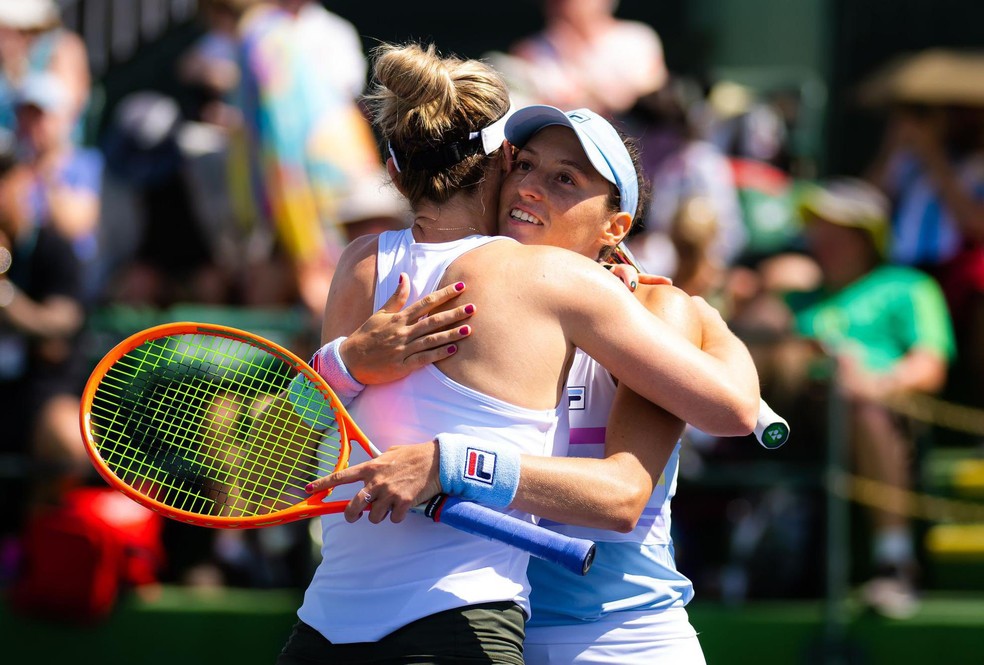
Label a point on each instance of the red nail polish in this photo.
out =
(460, 286)
(309, 488)
(400, 280)
(464, 330)
(469, 309)
(452, 349)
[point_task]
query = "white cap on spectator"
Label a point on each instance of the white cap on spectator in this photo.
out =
(44, 90)
(29, 14)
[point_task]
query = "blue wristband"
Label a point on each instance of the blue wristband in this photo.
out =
(478, 470)
(310, 404)
(327, 361)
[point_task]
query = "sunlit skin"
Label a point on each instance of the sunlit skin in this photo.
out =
(553, 196)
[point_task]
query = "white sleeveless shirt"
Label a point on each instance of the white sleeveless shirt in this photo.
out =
(376, 578)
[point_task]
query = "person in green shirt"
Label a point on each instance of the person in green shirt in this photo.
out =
(890, 332)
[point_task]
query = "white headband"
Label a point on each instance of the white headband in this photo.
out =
(491, 137)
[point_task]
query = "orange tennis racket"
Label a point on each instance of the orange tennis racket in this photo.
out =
(191, 420)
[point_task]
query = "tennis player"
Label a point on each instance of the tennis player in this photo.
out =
(630, 609)
(413, 592)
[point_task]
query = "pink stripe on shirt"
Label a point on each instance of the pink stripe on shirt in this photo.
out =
(587, 435)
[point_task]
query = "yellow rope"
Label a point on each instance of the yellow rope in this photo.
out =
(891, 499)
(935, 411)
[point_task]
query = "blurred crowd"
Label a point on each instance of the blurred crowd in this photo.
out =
(242, 191)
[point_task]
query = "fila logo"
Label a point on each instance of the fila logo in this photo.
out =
(578, 117)
(575, 398)
(479, 465)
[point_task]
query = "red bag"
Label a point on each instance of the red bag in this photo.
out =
(78, 556)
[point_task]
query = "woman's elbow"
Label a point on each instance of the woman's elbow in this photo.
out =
(739, 418)
(626, 513)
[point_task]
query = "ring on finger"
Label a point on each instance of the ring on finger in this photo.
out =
(366, 496)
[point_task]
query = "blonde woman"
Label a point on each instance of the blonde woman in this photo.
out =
(411, 592)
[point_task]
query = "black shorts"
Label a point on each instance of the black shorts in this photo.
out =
(487, 633)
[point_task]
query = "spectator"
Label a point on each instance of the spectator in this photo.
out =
(173, 260)
(309, 142)
(67, 178)
(932, 163)
(889, 330)
(586, 57)
(210, 68)
(683, 167)
(40, 316)
(33, 40)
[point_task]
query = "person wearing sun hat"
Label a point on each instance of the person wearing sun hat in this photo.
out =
(851, 203)
(34, 41)
(889, 330)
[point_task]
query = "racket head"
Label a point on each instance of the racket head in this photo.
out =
(185, 419)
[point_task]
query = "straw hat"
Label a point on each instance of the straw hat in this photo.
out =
(935, 76)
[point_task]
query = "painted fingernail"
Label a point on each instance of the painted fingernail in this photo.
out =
(400, 280)
(452, 349)
(469, 309)
(309, 488)
(464, 330)
(632, 286)
(460, 286)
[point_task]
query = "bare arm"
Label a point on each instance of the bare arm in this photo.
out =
(349, 301)
(611, 493)
(607, 493)
(74, 210)
(52, 318)
(715, 389)
(70, 61)
(920, 370)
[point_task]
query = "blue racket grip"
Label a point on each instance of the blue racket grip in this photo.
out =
(574, 554)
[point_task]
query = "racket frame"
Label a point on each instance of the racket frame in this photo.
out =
(311, 506)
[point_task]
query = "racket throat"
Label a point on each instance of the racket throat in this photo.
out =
(432, 508)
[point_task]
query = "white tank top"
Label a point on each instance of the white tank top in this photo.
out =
(631, 571)
(376, 578)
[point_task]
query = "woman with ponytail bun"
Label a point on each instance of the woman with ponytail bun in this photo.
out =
(393, 588)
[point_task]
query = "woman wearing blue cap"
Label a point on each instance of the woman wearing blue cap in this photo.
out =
(630, 608)
(413, 592)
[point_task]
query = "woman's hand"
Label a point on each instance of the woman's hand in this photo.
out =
(396, 341)
(396, 481)
(633, 278)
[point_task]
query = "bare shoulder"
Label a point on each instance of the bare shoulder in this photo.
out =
(359, 256)
(674, 306)
(353, 285)
(533, 262)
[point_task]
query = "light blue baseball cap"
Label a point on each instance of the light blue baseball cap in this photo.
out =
(602, 144)
(43, 90)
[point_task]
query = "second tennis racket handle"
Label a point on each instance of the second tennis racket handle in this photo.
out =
(574, 554)
(771, 430)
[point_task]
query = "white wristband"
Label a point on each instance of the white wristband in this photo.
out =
(327, 361)
(478, 470)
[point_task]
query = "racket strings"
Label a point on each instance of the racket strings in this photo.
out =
(194, 422)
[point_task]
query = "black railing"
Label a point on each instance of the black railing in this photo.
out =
(115, 30)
